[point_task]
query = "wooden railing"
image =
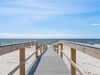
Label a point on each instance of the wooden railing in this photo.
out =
(85, 48)
(4, 49)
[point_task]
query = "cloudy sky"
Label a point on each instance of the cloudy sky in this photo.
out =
(49, 18)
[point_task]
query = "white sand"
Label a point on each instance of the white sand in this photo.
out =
(90, 65)
(9, 61)
(87, 63)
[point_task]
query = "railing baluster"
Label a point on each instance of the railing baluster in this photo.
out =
(41, 48)
(73, 58)
(57, 49)
(22, 58)
(36, 48)
(61, 46)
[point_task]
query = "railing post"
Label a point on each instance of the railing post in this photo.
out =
(57, 49)
(61, 46)
(46, 46)
(22, 58)
(73, 58)
(36, 48)
(54, 47)
(41, 48)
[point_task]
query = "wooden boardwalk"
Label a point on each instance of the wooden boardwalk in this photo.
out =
(49, 63)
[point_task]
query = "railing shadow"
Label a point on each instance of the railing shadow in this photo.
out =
(35, 65)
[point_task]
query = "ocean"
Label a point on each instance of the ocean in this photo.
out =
(50, 41)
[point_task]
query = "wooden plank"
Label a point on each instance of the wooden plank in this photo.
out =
(58, 49)
(22, 58)
(41, 48)
(74, 65)
(50, 64)
(61, 45)
(15, 46)
(23, 62)
(85, 48)
(73, 58)
(36, 48)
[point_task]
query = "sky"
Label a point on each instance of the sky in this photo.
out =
(49, 18)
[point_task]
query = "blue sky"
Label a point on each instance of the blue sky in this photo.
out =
(49, 18)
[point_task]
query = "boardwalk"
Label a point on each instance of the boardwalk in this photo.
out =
(50, 63)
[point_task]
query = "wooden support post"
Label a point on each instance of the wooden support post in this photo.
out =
(36, 48)
(61, 45)
(73, 58)
(46, 46)
(54, 47)
(41, 48)
(57, 49)
(22, 58)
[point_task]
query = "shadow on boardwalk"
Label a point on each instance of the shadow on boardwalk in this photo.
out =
(35, 65)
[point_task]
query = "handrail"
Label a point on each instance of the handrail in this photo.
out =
(15, 46)
(21, 47)
(74, 65)
(85, 48)
(23, 62)
(81, 44)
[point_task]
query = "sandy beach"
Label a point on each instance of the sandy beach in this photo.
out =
(9, 61)
(90, 65)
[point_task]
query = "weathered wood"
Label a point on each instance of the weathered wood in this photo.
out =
(41, 48)
(73, 58)
(36, 48)
(22, 58)
(85, 48)
(61, 45)
(74, 65)
(50, 64)
(22, 63)
(44, 46)
(58, 49)
(55, 48)
(15, 46)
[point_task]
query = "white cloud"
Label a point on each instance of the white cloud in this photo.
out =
(9, 35)
(31, 7)
(95, 24)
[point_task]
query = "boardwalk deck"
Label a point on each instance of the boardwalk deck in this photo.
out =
(50, 63)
